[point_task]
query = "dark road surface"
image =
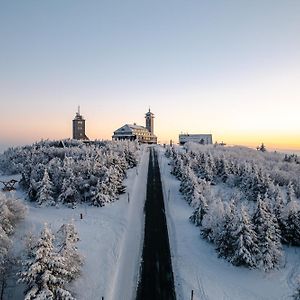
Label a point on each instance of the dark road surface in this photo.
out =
(156, 282)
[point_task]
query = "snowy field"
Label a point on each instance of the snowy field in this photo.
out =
(196, 265)
(110, 239)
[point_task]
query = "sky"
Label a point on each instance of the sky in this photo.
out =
(230, 68)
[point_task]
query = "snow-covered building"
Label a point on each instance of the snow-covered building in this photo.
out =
(79, 127)
(137, 132)
(204, 139)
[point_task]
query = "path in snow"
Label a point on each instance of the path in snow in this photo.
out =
(125, 279)
(157, 275)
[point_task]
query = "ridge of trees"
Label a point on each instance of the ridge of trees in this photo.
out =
(69, 172)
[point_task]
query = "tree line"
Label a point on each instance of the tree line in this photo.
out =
(246, 202)
(69, 172)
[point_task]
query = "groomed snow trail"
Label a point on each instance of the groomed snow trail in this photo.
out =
(124, 282)
(196, 265)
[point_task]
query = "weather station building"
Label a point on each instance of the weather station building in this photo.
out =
(203, 139)
(137, 132)
(79, 127)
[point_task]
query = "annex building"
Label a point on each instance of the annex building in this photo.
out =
(137, 132)
(203, 139)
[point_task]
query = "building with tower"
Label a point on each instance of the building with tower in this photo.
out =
(79, 127)
(136, 132)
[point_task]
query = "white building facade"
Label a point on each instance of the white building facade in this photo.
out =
(136, 132)
(203, 139)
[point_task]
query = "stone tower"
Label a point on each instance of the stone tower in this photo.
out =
(79, 127)
(150, 121)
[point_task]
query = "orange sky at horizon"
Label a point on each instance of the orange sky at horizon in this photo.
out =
(47, 129)
(230, 69)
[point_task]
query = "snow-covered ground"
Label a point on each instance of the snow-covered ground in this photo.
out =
(196, 265)
(110, 239)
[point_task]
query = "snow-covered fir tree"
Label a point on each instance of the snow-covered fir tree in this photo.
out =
(268, 236)
(245, 244)
(212, 223)
(290, 223)
(225, 239)
(46, 273)
(46, 191)
(200, 211)
(67, 237)
(101, 194)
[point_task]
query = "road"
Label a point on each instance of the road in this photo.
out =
(156, 282)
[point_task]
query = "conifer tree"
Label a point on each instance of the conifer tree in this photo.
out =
(245, 246)
(101, 195)
(290, 218)
(46, 190)
(268, 236)
(200, 211)
(213, 220)
(290, 193)
(67, 237)
(225, 240)
(45, 273)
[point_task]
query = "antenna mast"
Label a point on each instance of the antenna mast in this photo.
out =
(79, 109)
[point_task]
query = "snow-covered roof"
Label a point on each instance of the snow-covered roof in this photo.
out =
(129, 128)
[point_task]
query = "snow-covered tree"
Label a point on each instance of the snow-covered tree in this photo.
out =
(212, 223)
(268, 236)
(290, 193)
(69, 193)
(101, 195)
(245, 246)
(225, 239)
(290, 220)
(45, 273)
(200, 211)
(67, 237)
(5, 244)
(46, 191)
(188, 185)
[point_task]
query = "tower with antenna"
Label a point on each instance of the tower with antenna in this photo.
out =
(79, 127)
(150, 121)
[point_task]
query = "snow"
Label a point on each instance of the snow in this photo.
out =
(110, 239)
(197, 267)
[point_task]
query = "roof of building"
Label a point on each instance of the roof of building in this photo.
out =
(195, 134)
(149, 113)
(130, 128)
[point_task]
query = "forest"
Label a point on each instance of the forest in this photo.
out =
(246, 202)
(70, 172)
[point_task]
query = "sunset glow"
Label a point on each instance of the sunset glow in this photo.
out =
(232, 70)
